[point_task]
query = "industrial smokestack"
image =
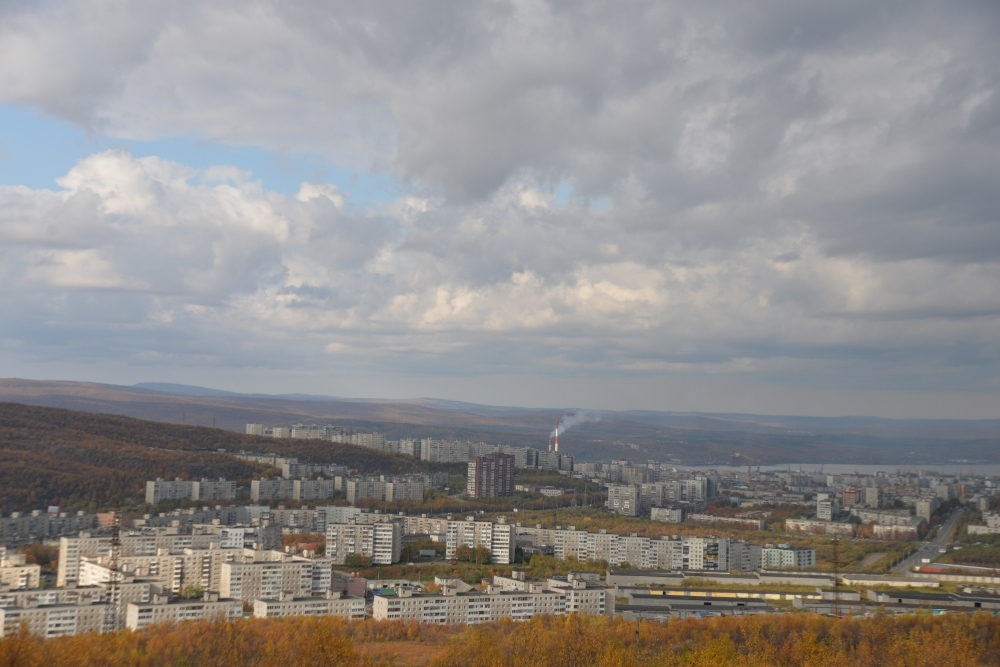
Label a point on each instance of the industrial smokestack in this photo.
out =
(557, 438)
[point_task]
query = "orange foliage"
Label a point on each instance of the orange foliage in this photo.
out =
(781, 640)
(788, 640)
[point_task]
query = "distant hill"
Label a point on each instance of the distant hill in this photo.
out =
(80, 460)
(694, 438)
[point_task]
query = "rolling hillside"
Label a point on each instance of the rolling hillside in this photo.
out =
(80, 460)
(692, 438)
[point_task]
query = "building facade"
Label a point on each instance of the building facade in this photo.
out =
(332, 604)
(490, 476)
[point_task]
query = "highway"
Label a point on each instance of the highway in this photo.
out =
(930, 549)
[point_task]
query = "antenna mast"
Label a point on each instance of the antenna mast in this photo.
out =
(112, 614)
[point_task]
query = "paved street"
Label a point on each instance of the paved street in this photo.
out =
(930, 549)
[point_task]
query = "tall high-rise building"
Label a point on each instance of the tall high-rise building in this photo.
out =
(491, 475)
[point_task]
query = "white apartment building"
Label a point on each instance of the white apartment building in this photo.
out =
(268, 489)
(16, 573)
(444, 451)
(381, 542)
(265, 574)
(28, 527)
(887, 517)
(827, 507)
(666, 553)
(297, 470)
(163, 609)
(500, 600)
(170, 571)
(783, 556)
(499, 537)
(623, 499)
(334, 603)
(816, 526)
(179, 489)
(147, 543)
(159, 490)
(25, 597)
(667, 514)
(57, 620)
(383, 488)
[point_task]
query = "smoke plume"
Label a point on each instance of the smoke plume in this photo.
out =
(578, 417)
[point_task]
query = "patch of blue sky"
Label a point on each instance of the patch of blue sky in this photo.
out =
(563, 194)
(600, 204)
(35, 150)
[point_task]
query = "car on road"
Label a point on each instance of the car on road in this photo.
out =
(453, 562)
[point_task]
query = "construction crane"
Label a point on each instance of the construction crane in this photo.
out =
(112, 593)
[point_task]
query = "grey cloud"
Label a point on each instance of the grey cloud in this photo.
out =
(759, 190)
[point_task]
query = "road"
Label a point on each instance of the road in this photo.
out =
(930, 549)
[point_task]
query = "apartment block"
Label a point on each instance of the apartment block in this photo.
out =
(873, 496)
(169, 571)
(499, 537)
(672, 514)
(668, 553)
(271, 489)
(887, 517)
(159, 490)
(26, 527)
(163, 609)
(265, 574)
(178, 489)
(498, 601)
(827, 507)
(334, 603)
(381, 542)
(783, 555)
(297, 470)
(385, 488)
(150, 542)
(490, 476)
(623, 499)
(16, 573)
(444, 451)
(925, 507)
(56, 620)
(819, 527)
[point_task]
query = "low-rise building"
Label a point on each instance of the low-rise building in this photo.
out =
(819, 527)
(331, 604)
(179, 489)
(499, 600)
(163, 608)
(16, 572)
(55, 620)
(783, 555)
(672, 514)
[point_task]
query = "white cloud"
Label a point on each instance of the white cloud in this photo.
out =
(760, 190)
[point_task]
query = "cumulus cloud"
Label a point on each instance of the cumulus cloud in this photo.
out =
(779, 190)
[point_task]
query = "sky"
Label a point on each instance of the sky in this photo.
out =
(771, 207)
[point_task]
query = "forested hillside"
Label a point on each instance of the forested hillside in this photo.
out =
(80, 460)
(788, 640)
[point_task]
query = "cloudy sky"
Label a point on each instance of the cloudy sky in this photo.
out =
(773, 207)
